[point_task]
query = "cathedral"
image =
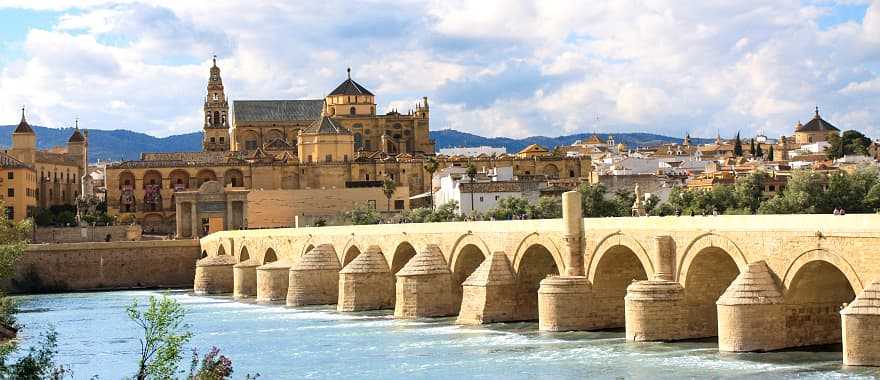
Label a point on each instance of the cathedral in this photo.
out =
(275, 159)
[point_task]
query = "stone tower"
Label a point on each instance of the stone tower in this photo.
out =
(24, 141)
(216, 127)
(78, 146)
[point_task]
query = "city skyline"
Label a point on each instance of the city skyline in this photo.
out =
(657, 68)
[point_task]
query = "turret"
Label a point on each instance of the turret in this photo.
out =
(350, 99)
(24, 141)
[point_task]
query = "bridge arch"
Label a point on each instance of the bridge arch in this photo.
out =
(269, 256)
(817, 283)
(220, 250)
(349, 254)
(461, 243)
(542, 240)
(402, 254)
(243, 255)
(709, 265)
(615, 269)
(618, 239)
(536, 263)
(204, 254)
(708, 240)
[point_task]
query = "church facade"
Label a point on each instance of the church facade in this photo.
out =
(335, 145)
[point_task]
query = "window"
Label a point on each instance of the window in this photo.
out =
(497, 197)
(571, 173)
(309, 158)
(10, 192)
(328, 158)
(215, 96)
(358, 141)
(481, 199)
(398, 204)
(221, 140)
(250, 145)
(10, 175)
(351, 111)
(10, 213)
(772, 188)
(212, 140)
(345, 158)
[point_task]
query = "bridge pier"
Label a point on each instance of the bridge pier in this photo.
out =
(214, 275)
(655, 309)
(366, 283)
(751, 312)
(272, 281)
(860, 321)
(314, 279)
(564, 304)
(489, 294)
(424, 287)
(244, 279)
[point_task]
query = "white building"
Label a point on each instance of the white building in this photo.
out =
(473, 151)
(486, 190)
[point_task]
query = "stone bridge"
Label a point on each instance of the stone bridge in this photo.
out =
(758, 283)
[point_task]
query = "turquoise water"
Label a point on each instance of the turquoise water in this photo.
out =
(279, 343)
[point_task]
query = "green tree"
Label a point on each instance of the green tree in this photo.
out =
(758, 151)
(872, 198)
(510, 208)
(752, 150)
(849, 142)
(38, 364)
(471, 174)
(546, 208)
(164, 337)
(362, 214)
(594, 202)
(749, 190)
(737, 146)
(770, 155)
(388, 188)
(431, 166)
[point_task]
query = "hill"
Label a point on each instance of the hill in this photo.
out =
(121, 144)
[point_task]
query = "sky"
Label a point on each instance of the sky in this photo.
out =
(494, 68)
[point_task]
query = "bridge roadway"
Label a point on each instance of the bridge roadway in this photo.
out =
(759, 283)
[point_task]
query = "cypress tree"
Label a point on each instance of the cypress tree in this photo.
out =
(770, 154)
(752, 148)
(758, 151)
(738, 146)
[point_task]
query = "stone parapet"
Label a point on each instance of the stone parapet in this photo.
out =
(654, 311)
(860, 321)
(314, 278)
(424, 287)
(244, 276)
(214, 275)
(272, 281)
(366, 283)
(564, 304)
(489, 294)
(751, 313)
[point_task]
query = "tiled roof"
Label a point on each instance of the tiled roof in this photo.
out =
(9, 162)
(185, 156)
(817, 125)
(55, 158)
(244, 111)
(23, 126)
(326, 125)
(350, 87)
(494, 186)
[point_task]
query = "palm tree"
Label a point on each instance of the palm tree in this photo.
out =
(472, 173)
(388, 188)
(431, 167)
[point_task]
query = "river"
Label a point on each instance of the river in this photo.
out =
(96, 338)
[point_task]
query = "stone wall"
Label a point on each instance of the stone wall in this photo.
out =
(86, 234)
(113, 265)
(279, 208)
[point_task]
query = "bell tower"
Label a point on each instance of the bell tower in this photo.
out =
(216, 108)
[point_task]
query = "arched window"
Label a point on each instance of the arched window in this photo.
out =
(216, 117)
(358, 141)
(351, 111)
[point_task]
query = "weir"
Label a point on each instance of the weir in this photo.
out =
(757, 282)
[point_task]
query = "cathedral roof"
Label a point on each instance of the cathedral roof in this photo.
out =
(816, 125)
(276, 110)
(350, 87)
(326, 125)
(278, 144)
(533, 148)
(23, 126)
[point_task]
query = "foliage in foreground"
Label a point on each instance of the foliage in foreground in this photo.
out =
(164, 337)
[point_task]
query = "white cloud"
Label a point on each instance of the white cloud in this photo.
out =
(512, 68)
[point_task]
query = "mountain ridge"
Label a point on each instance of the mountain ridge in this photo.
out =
(121, 144)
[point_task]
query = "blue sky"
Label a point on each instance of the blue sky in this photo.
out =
(496, 68)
